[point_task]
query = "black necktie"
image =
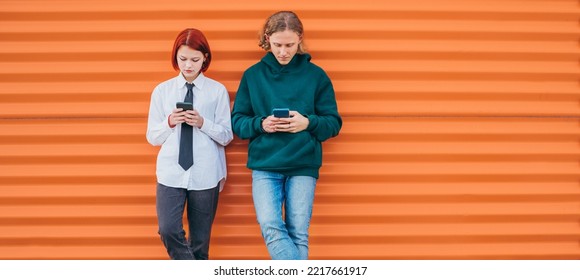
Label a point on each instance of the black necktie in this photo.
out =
(186, 141)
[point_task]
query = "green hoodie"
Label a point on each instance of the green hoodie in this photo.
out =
(300, 86)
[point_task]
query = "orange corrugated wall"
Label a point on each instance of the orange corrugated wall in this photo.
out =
(460, 139)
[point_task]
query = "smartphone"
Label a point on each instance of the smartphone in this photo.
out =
(185, 105)
(281, 112)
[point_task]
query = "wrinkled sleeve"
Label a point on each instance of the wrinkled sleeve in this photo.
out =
(326, 122)
(158, 129)
(245, 123)
(220, 129)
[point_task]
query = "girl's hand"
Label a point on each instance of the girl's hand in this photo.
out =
(190, 117)
(176, 117)
(193, 118)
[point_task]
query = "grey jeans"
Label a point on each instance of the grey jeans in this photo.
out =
(201, 210)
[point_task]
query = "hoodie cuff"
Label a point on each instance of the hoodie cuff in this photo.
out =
(260, 128)
(312, 122)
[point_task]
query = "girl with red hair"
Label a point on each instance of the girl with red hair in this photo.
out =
(189, 117)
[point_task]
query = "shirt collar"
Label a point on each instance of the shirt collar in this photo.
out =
(199, 81)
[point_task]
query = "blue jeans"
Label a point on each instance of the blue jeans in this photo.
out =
(286, 239)
(201, 209)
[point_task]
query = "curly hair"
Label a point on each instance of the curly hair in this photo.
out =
(278, 22)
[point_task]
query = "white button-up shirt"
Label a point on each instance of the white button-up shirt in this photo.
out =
(211, 100)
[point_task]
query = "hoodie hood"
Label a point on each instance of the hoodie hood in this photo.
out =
(297, 64)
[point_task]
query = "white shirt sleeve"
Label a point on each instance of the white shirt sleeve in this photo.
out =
(220, 129)
(158, 129)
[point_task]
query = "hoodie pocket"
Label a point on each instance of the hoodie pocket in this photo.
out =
(284, 151)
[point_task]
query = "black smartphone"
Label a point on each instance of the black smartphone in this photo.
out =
(185, 105)
(281, 112)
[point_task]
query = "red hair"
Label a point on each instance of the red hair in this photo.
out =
(194, 39)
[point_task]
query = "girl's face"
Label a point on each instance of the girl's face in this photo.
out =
(284, 45)
(190, 62)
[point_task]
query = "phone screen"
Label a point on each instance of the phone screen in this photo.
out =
(281, 112)
(185, 105)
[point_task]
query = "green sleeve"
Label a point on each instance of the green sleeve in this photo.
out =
(326, 122)
(245, 123)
